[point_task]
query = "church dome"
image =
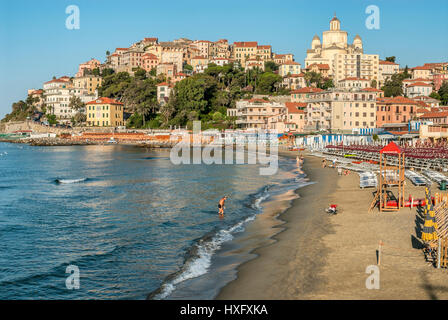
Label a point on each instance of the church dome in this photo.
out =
(357, 42)
(335, 19)
(316, 42)
(335, 24)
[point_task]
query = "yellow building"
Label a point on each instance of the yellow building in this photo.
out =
(91, 83)
(104, 112)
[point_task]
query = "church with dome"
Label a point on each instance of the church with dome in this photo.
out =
(334, 41)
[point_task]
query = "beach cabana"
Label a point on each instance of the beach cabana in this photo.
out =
(390, 175)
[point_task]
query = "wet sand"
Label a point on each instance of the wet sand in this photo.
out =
(325, 257)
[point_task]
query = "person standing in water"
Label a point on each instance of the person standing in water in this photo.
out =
(221, 206)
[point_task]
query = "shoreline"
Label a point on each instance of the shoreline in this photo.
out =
(278, 262)
(317, 256)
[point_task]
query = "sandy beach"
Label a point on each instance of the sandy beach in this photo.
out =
(317, 256)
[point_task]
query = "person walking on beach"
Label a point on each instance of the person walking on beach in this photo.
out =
(324, 163)
(221, 206)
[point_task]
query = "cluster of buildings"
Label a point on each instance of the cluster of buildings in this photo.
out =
(171, 57)
(340, 110)
(353, 103)
(56, 95)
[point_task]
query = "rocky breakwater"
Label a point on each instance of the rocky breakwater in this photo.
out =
(55, 142)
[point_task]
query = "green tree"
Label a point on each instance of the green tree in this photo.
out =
(390, 59)
(394, 86)
(328, 83)
(51, 118)
(313, 78)
(79, 118)
(140, 74)
(270, 66)
(266, 82)
(435, 95)
(76, 103)
(443, 93)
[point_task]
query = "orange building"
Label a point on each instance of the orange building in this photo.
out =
(395, 110)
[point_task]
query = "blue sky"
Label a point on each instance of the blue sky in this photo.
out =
(36, 44)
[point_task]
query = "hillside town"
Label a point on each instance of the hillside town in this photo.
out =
(338, 89)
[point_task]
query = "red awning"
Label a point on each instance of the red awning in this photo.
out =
(391, 148)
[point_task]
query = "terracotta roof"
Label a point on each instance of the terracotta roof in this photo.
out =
(149, 56)
(416, 79)
(387, 62)
(246, 44)
(122, 49)
(307, 90)
(397, 100)
(61, 79)
(419, 84)
(421, 110)
(422, 68)
(163, 84)
(294, 107)
(422, 103)
(320, 66)
(372, 90)
(104, 100)
(291, 63)
(295, 75)
(435, 115)
(151, 39)
(264, 47)
(199, 57)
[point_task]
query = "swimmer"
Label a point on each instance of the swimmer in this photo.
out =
(221, 206)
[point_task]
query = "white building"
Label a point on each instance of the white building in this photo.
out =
(386, 69)
(289, 67)
(418, 89)
(254, 113)
(334, 42)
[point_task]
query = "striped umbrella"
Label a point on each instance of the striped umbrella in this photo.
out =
(430, 226)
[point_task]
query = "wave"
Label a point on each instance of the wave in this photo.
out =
(261, 197)
(198, 259)
(59, 270)
(70, 181)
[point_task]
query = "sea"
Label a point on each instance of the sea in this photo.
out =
(124, 222)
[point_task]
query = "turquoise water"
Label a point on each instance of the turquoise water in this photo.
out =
(129, 219)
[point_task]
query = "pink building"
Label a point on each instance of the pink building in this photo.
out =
(439, 79)
(149, 61)
(89, 65)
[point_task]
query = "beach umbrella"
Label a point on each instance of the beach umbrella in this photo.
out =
(429, 228)
(430, 225)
